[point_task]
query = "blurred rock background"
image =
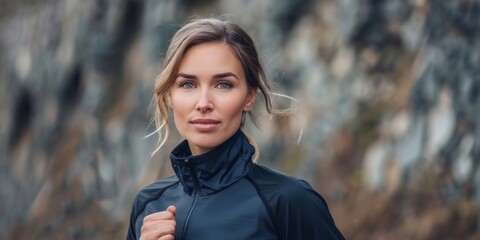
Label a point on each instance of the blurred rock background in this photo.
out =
(388, 110)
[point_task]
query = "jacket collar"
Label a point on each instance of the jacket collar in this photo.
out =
(214, 170)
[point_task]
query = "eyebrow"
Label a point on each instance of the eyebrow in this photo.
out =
(219, 75)
(225, 74)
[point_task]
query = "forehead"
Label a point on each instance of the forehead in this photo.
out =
(210, 56)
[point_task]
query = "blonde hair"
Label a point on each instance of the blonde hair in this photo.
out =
(204, 31)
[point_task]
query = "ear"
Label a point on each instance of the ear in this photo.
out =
(250, 100)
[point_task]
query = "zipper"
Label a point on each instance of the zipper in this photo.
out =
(196, 191)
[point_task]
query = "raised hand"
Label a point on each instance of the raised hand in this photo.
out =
(159, 225)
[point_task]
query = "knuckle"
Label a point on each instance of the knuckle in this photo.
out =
(146, 225)
(147, 218)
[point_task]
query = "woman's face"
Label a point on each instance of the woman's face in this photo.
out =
(209, 95)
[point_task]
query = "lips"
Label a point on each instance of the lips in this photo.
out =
(205, 124)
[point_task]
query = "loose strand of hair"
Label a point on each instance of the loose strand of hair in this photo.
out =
(288, 112)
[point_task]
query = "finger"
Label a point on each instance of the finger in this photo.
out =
(172, 209)
(167, 237)
(148, 236)
(149, 226)
(156, 231)
(163, 215)
(154, 236)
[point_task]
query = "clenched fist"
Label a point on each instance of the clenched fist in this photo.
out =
(160, 225)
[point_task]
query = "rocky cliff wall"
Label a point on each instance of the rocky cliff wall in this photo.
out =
(385, 125)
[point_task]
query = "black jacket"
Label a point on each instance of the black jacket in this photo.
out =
(223, 195)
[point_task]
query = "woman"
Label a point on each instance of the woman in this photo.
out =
(210, 81)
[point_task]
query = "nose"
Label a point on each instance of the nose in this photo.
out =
(204, 104)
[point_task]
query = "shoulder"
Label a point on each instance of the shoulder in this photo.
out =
(147, 194)
(298, 211)
(279, 184)
(158, 186)
(152, 191)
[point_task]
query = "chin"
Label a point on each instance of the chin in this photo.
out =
(205, 142)
(209, 140)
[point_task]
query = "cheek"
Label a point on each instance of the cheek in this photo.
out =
(180, 107)
(233, 110)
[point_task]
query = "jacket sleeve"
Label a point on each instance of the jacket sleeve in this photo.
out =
(147, 194)
(131, 234)
(302, 213)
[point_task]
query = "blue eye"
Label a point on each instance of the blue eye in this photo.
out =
(224, 85)
(187, 85)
